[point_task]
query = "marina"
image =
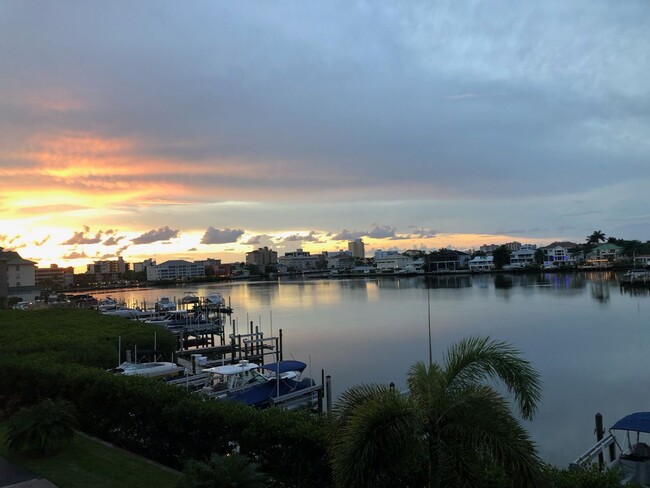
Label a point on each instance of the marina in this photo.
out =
(573, 327)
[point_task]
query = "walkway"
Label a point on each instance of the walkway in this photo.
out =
(12, 476)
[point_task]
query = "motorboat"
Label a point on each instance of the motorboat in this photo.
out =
(164, 304)
(190, 298)
(255, 385)
(214, 300)
(624, 438)
(106, 304)
(160, 370)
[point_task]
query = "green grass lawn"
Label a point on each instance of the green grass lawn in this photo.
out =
(87, 463)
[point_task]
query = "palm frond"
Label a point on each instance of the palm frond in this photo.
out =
(374, 437)
(476, 359)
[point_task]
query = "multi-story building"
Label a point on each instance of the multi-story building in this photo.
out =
(62, 277)
(262, 257)
(340, 261)
(393, 261)
(176, 269)
(382, 254)
(140, 267)
(17, 276)
(604, 255)
(447, 260)
(560, 255)
(299, 260)
(357, 249)
(481, 263)
(107, 271)
(525, 256)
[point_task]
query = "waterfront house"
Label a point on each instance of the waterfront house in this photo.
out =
(447, 260)
(560, 255)
(604, 255)
(393, 261)
(481, 263)
(525, 256)
(341, 261)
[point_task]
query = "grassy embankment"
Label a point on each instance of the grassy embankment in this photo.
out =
(90, 463)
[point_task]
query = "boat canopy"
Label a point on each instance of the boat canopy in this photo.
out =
(637, 422)
(285, 366)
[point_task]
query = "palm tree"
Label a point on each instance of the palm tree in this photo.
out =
(221, 471)
(596, 237)
(45, 428)
(449, 420)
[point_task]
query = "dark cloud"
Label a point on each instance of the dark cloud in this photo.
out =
(311, 237)
(156, 235)
(221, 236)
(81, 238)
(423, 233)
(349, 235)
(382, 232)
(192, 249)
(75, 255)
(112, 241)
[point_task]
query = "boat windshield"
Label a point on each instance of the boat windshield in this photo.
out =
(221, 382)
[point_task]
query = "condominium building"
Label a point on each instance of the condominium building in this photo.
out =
(262, 257)
(299, 260)
(176, 269)
(63, 277)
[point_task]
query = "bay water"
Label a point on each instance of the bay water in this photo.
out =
(588, 338)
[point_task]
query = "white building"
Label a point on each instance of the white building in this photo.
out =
(523, 257)
(382, 254)
(18, 276)
(177, 269)
(393, 261)
(299, 260)
(558, 255)
(340, 261)
(481, 263)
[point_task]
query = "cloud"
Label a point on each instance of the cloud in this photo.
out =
(79, 238)
(156, 235)
(42, 241)
(218, 236)
(112, 241)
(75, 255)
(382, 232)
(311, 237)
(423, 233)
(192, 249)
(349, 235)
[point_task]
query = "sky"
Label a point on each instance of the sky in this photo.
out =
(202, 129)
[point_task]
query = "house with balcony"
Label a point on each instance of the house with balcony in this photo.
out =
(176, 269)
(559, 255)
(481, 263)
(446, 260)
(604, 256)
(17, 276)
(523, 257)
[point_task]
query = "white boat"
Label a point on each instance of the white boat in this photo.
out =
(172, 317)
(190, 298)
(106, 304)
(252, 384)
(151, 370)
(214, 299)
(165, 305)
(624, 438)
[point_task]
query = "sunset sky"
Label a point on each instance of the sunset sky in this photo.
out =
(201, 129)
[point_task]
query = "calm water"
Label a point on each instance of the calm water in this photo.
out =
(589, 340)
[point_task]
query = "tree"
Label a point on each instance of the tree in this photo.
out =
(448, 419)
(596, 237)
(45, 428)
(223, 471)
(501, 257)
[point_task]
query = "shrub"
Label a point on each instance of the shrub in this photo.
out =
(45, 428)
(222, 471)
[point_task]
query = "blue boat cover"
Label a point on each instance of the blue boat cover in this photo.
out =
(637, 422)
(285, 366)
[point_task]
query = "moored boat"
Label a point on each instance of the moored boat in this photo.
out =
(161, 370)
(633, 458)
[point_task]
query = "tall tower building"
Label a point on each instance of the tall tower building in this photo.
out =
(357, 249)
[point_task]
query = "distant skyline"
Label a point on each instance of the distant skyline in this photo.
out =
(211, 128)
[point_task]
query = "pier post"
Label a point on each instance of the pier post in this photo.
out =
(280, 348)
(232, 343)
(600, 432)
(328, 393)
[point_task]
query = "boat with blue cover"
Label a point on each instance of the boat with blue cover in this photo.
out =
(255, 385)
(625, 438)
